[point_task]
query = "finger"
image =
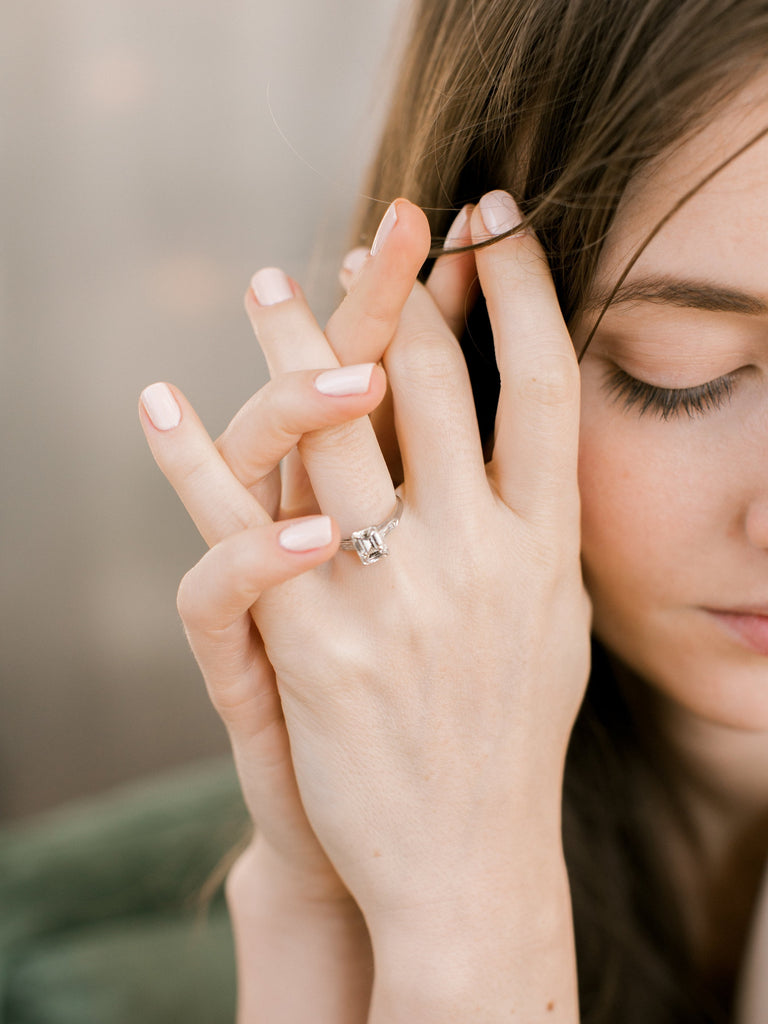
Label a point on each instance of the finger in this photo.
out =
(383, 416)
(453, 282)
(217, 502)
(213, 600)
(365, 322)
(297, 497)
(453, 286)
(435, 415)
(268, 493)
(536, 441)
(273, 421)
(344, 462)
(352, 266)
(231, 576)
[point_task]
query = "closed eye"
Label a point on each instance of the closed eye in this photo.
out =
(667, 403)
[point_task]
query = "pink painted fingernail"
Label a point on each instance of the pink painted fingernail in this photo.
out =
(458, 234)
(307, 535)
(270, 286)
(388, 221)
(161, 407)
(355, 260)
(347, 380)
(500, 212)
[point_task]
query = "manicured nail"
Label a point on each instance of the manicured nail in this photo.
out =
(388, 221)
(355, 260)
(347, 380)
(500, 212)
(161, 407)
(458, 230)
(307, 535)
(271, 286)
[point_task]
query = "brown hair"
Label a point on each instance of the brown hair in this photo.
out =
(562, 102)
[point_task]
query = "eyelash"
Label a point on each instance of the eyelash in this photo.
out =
(669, 402)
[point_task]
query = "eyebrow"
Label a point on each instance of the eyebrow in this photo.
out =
(689, 294)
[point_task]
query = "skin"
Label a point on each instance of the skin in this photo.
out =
(469, 738)
(674, 520)
(675, 511)
(682, 525)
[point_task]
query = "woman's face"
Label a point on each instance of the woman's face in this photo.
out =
(675, 486)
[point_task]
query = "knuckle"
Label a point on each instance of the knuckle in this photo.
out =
(555, 383)
(280, 407)
(377, 319)
(188, 470)
(247, 421)
(426, 359)
(188, 600)
(333, 438)
(517, 268)
(203, 595)
(263, 431)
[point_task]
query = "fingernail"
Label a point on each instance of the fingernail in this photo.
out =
(388, 221)
(458, 230)
(306, 535)
(500, 212)
(355, 260)
(270, 286)
(161, 407)
(347, 380)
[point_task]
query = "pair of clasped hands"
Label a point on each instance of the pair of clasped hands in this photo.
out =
(399, 729)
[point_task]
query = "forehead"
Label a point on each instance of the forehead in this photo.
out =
(720, 233)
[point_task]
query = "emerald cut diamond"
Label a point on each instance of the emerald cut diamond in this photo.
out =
(369, 544)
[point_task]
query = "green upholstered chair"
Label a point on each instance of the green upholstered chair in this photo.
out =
(101, 920)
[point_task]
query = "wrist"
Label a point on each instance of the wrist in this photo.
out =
(302, 948)
(501, 948)
(457, 874)
(479, 918)
(261, 877)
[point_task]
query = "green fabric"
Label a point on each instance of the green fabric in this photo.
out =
(99, 906)
(154, 970)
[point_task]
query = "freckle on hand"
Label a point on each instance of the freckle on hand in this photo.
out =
(550, 1006)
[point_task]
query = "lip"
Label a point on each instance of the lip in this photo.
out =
(749, 626)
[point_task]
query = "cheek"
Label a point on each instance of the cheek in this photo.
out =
(643, 517)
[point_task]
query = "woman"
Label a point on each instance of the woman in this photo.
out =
(425, 817)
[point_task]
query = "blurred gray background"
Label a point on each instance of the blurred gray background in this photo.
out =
(154, 153)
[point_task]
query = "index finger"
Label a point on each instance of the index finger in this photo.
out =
(217, 502)
(362, 327)
(535, 455)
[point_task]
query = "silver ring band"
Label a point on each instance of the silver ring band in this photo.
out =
(369, 543)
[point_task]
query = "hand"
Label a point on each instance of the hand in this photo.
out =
(430, 699)
(250, 553)
(215, 596)
(288, 905)
(409, 694)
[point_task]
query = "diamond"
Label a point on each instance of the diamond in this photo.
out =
(369, 544)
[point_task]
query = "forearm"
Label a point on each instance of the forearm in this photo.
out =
(507, 956)
(299, 958)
